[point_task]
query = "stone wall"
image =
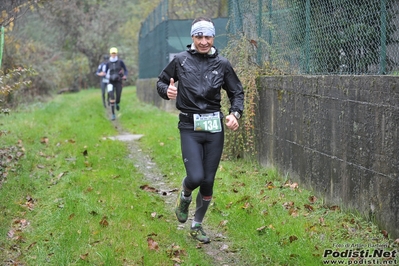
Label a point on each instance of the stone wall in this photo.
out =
(338, 135)
(146, 90)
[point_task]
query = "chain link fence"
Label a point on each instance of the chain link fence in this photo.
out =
(354, 37)
(166, 31)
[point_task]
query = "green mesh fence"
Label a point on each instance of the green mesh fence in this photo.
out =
(321, 37)
(1, 45)
(160, 38)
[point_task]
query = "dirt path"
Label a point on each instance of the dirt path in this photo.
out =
(219, 249)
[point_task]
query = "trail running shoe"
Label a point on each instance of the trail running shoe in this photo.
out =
(117, 107)
(112, 117)
(181, 209)
(198, 233)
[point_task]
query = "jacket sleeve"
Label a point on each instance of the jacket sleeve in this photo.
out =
(106, 70)
(125, 71)
(234, 89)
(99, 69)
(164, 79)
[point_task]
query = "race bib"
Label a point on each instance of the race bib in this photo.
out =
(110, 87)
(207, 122)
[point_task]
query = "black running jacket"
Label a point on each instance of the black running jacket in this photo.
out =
(200, 78)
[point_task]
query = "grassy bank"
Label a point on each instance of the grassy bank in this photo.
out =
(76, 197)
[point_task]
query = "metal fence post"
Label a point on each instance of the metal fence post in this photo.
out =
(307, 37)
(270, 18)
(383, 38)
(259, 50)
(1, 45)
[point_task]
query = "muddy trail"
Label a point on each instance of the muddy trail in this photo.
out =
(219, 250)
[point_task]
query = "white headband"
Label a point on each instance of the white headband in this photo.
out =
(203, 28)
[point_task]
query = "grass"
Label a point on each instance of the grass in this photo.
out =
(74, 198)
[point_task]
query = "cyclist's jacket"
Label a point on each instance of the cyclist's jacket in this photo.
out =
(200, 79)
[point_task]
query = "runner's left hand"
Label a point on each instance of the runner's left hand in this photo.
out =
(231, 122)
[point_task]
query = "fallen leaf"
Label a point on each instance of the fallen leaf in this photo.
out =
(178, 260)
(19, 238)
(293, 238)
(264, 198)
(22, 223)
(84, 256)
(312, 199)
(384, 233)
(228, 206)
(85, 153)
(152, 245)
(255, 43)
(334, 208)
(291, 185)
(148, 188)
(60, 175)
(95, 242)
(288, 205)
(11, 233)
(294, 186)
(270, 185)
(308, 207)
(271, 226)
(104, 222)
(223, 223)
(44, 140)
(293, 212)
(246, 205)
(31, 245)
(175, 252)
(260, 229)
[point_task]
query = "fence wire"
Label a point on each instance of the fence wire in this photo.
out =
(164, 34)
(320, 37)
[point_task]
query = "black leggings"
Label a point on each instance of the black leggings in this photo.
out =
(201, 152)
(116, 92)
(103, 91)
